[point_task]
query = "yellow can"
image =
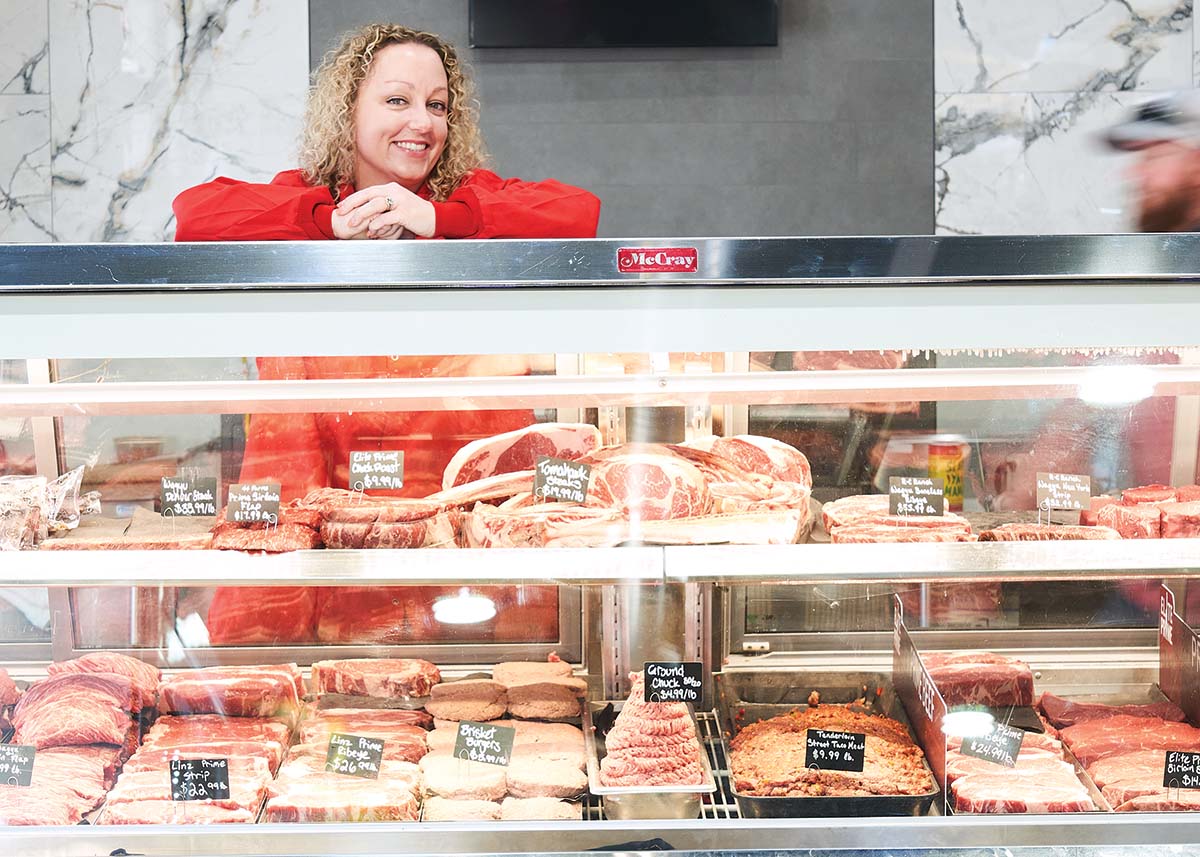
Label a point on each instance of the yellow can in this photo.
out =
(946, 463)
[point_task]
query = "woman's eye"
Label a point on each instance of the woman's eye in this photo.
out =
(396, 99)
(437, 106)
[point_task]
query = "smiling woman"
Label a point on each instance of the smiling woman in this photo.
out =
(391, 149)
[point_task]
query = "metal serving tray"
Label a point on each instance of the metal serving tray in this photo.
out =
(627, 802)
(747, 697)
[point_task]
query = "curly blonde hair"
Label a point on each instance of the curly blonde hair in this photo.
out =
(327, 147)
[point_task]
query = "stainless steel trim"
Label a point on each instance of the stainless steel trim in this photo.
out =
(1007, 638)
(1011, 562)
(332, 568)
(734, 835)
(551, 391)
(42, 268)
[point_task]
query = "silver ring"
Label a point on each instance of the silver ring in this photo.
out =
(389, 202)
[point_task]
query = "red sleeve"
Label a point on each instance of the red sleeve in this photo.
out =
(284, 448)
(223, 209)
(487, 206)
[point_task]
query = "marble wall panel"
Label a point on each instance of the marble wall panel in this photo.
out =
(111, 107)
(1024, 92)
(25, 213)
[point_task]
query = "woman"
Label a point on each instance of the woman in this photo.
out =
(391, 149)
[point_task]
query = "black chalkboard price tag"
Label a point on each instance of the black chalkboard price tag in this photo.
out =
(559, 479)
(354, 756)
(1002, 745)
(484, 742)
(375, 470)
(834, 751)
(1069, 492)
(254, 503)
(673, 681)
(1182, 770)
(916, 496)
(16, 764)
(199, 779)
(188, 498)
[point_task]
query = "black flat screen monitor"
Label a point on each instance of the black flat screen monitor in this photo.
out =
(624, 23)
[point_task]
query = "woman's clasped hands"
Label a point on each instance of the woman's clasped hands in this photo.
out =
(383, 211)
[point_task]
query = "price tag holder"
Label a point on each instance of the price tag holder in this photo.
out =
(188, 498)
(254, 503)
(1002, 745)
(1182, 770)
(16, 764)
(916, 496)
(835, 751)
(354, 756)
(199, 779)
(484, 742)
(559, 479)
(674, 681)
(374, 470)
(1064, 492)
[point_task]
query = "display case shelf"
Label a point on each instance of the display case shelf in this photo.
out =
(740, 388)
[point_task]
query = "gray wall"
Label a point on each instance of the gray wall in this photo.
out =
(830, 132)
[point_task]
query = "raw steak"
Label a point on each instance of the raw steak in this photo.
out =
(1088, 517)
(247, 788)
(1181, 520)
(66, 784)
(1124, 733)
(174, 730)
(538, 525)
(649, 486)
(1176, 800)
(339, 504)
(516, 451)
(1065, 712)
(389, 678)
(155, 757)
(145, 677)
(760, 455)
(872, 510)
(405, 743)
(983, 678)
(1187, 493)
(1017, 790)
(171, 812)
(1132, 522)
(77, 708)
(439, 531)
(335, 798)
(1128, 775)
(1148, 494)
(1037, 759)
(881, 533)
(1046, 533)
(258, 691)
(249, 615)
(488, 490)
(277, 539)
(9, 694)
(378, 717)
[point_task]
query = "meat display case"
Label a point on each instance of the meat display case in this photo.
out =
(650, 340)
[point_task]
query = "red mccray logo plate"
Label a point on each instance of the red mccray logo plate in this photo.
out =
(657, 260)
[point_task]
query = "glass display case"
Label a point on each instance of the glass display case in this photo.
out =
(746, 411)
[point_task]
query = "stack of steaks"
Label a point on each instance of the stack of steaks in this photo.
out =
(980, 678)
(1042, 781)
(1123, 748)
(1150, 512)
(865, 518)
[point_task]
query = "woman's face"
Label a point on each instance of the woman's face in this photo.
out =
(400, 117)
